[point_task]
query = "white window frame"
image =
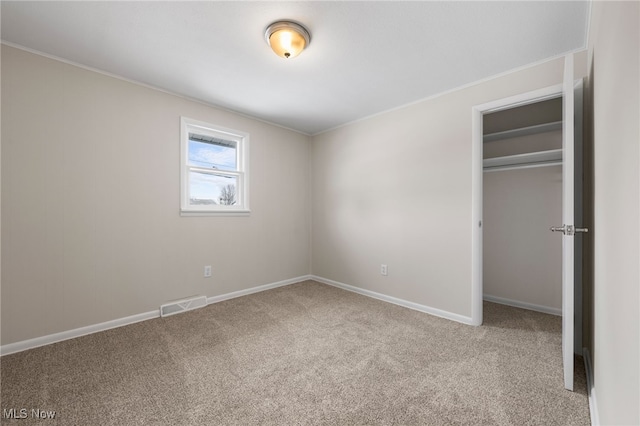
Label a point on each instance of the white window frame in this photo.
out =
(241, 208)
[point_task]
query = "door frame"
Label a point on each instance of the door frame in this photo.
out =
(477, 112)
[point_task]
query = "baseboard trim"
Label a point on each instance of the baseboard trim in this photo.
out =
(36, 342)
(405, 303)
(591, 390)
(523, 305)
(258, 289)
(24, 345)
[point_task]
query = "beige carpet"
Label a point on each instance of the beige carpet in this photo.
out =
(303, 354)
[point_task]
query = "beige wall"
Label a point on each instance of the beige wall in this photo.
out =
(614, 86)
(90, 181)
(522, 259)
(90, 202)
(1, 48)
(396, 189)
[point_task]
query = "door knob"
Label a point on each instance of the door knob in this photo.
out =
(568, 229)
(562, 229)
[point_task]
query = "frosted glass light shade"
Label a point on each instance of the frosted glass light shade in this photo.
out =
(287, 39)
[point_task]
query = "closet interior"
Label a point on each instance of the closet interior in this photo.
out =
(522, 198)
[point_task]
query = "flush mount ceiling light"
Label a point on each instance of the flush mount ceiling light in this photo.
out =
(287, 39)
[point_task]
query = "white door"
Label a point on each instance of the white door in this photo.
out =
(568, 228)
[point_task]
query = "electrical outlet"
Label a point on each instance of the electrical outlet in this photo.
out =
(207, 271)
(383, 269)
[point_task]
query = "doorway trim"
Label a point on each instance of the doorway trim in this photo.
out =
(477, 112)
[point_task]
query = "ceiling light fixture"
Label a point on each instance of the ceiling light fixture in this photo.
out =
(287, 39)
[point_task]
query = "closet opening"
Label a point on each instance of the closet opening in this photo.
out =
(570, 92)
(515, 136)
(522, 198)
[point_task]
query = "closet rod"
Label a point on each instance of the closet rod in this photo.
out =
(523, 161)
(521, 166)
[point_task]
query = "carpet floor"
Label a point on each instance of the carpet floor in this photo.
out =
(303, 354)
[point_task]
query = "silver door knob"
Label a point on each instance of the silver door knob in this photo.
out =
(568, 229)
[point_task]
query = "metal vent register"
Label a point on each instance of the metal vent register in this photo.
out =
(183, 305)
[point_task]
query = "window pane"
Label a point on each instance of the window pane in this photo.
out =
(212, 153)
(208, 189)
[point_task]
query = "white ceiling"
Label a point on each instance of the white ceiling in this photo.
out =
(365, 57)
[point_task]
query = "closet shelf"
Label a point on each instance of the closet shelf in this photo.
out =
(523, 161)
(524, 131)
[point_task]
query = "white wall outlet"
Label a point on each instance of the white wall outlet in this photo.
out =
(383, 269)
(207, 271)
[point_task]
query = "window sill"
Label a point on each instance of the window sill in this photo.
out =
(196, 213)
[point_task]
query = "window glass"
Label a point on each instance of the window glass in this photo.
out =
(207, 189)
(212, 154)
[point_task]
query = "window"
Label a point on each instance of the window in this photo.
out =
(214, 169)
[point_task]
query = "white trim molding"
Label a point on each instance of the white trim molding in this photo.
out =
(477, 112)
(390, 299)
(95, 328)
(258, 289)
(523, 305)
(152, 87)
(76, 332)
(223, 137)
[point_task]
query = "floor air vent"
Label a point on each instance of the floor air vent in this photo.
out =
(182, 305)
